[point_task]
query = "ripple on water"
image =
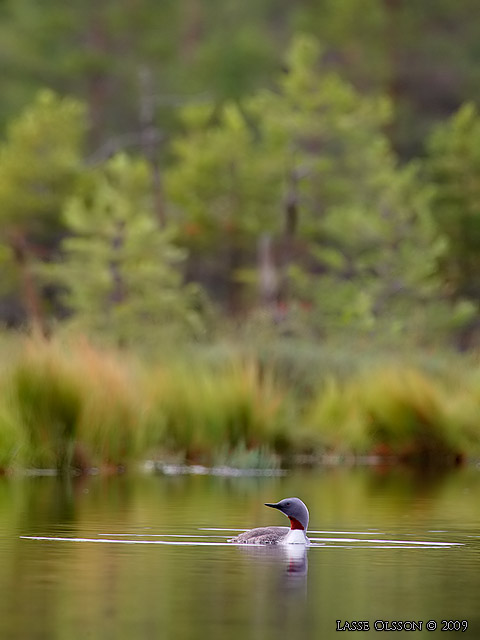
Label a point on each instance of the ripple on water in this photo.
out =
(211, 539)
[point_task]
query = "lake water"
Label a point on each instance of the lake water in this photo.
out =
(145, 556)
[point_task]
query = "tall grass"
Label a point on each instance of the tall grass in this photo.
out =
(207, 410)
(396, 412)
(48, 401)
(71, 405)
(75, 406)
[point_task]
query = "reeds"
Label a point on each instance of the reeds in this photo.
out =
(70, 405)
(48, 402)
(396, 413)
(207, 410)
(74, 406)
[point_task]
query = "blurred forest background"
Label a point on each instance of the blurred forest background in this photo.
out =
(271, 172)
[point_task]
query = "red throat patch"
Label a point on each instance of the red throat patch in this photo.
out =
(295, 524)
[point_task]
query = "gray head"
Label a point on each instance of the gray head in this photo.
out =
(295, 510)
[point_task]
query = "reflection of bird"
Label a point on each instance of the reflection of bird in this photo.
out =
(297, 562)
(297, 513)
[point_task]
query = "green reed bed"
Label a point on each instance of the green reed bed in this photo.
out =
(71, 405)
(75, 406)
(397, 413)
(211, 412)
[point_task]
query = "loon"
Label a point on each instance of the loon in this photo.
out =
(297, 513)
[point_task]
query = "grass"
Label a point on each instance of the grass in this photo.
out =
(48, 404)
(71, 405)
(207, 409)
(399, 413)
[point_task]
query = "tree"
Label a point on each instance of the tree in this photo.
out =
(422, 54)
(224, 189)
(39, 163)
(95, 51)
(119, 270)
(454, 167)
(92, 50)
(362, 217)
(309, 163)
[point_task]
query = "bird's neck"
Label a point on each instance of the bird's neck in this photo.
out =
(295, 536)
(295, 524)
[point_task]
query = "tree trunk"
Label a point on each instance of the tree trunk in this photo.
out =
(98, 90)
(289, 234)
(267, 273)
(150, 141)
(31, 298)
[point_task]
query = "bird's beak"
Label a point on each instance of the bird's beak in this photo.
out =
(274, 506)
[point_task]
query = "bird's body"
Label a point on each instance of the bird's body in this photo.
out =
(298, 515)
(262, 535)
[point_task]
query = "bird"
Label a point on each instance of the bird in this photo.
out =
(297, 513)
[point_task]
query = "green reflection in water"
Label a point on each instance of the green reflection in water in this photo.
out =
(67, 590)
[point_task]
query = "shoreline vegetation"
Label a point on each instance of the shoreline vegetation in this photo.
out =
(71, 406)
(271, 281)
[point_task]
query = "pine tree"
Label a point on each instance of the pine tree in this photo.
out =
(454, 166)
(120, 272)
(309, 164)
(39, 164)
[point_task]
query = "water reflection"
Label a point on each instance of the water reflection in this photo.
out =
(297, 560)
(293, 557)
(148, 556)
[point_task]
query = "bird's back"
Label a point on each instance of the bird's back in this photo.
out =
(261, 535)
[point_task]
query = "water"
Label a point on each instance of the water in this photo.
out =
(146, 556)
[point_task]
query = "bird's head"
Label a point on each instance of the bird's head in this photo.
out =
(295, 510)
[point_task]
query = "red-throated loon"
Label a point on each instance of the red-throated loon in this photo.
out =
(297, 513)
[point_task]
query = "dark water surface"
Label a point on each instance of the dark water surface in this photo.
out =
(125, 557)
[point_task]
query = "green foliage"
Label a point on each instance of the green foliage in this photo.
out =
(291, 191)
(206, 411)
(364, 217)
(112, 429)
(69, 407)
(404, 49)
(49, 404)
(393, 412)
(237, 58)
(96, 52)
(39, 162)
(222, 179)
(354, 32)
(423, 54)
(317, 146)
(224, 188)
(454, 166)
(13, 440)
(120, 271)
(242, 457)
